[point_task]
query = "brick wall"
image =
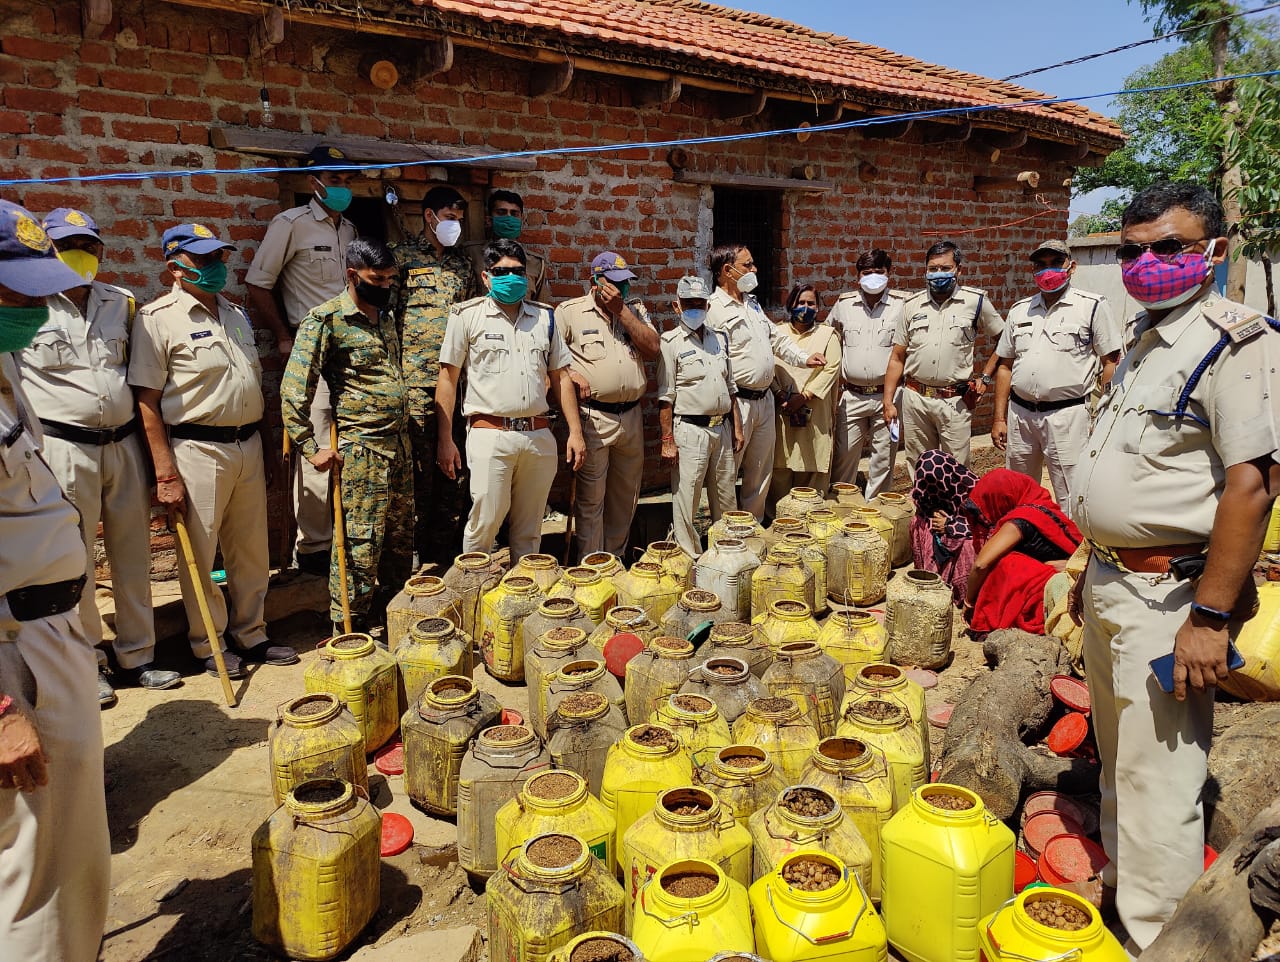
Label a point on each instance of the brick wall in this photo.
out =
(145, 95)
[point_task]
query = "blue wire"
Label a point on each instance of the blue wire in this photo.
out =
(652, 145)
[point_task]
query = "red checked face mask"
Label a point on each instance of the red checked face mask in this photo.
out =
(1159, 285)
(1052, 279)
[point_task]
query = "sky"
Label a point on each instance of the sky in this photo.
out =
(996, 38)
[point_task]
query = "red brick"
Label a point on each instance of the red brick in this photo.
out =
(92, 127)
(32, 48)
(186, 63)
(184, 87)
(274, 73)
(14, 122)
(202, 209)
(103, 102)
(168, 109)
(44, 101)
(143, 83)
(41, 76)
(255, 186)
(94, 51)
(195, 134)
(49, 125)
(154, 133)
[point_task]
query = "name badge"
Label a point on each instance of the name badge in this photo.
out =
(687, 354)
(591, 330)
(322, 247)
(415, 271)
(199, 335)
(923, 315)
(493, 337)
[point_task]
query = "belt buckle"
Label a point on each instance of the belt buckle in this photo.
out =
(716, 420)
(519, 424)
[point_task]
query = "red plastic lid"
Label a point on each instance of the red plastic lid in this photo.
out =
(389, 759)
(1024, 871)
(619, 650)
(1068, 734)
(1210, 856)
(923, 677)
(1070, 858)
(1072, 692)
(1042, 826)
(1051, 802)
(511, 717)
(397, 834)
(940, 715)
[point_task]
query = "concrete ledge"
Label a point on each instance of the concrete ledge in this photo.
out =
(447, 945)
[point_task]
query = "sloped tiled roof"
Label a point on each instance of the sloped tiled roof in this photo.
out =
(767, 49)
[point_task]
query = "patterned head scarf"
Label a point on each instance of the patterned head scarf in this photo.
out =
(943, 484)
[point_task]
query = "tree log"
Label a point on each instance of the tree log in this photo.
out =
(1216, 922)
(984, 749)
(1243, 775)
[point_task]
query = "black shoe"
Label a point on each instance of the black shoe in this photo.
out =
(314, 563)
(232, 662)
(106, 694)
(150, 677)
(268, 654)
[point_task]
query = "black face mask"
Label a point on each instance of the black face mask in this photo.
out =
(379, 297)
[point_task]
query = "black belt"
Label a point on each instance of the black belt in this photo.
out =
(609, 407)
(751, 395)
(44, 601)
(204, 432)
(704, 420)
(98, 436)
(863, 389)
(1046, 405)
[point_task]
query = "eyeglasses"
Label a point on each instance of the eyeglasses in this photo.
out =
(1166, 249)
(504, 271)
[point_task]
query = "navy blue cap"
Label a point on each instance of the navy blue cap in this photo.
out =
(69, 222)
(28, 262)
(323, 155)
(192, 238)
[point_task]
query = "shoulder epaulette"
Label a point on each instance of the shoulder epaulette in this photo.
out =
(847, 295)
(1025, 300)
(460, 306)
(293, 213)
(1089, 294)
(973, 290)
(1240, 323)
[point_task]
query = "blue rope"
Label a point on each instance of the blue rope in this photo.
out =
(1184, 399)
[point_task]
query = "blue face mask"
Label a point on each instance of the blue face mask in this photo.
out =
(507, 225)
(804, 315)
(337, 199)
(508, 288)
(940, 283)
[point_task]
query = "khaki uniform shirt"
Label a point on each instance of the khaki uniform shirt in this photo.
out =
(507, 364)
(535, 268)
(753, 339)
(939, 338)
(602, 352)
(1056, 351)
(205, 367)
(1148, 479)
(866, 334)
(307, 254)
(360, 361)
(39, 527)
(429, 284)
(76, 369)
(695, 372)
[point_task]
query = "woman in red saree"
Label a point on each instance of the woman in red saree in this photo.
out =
(1020, 534)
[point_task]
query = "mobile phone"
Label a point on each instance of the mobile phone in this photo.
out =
(895, 433)
(1162, 667)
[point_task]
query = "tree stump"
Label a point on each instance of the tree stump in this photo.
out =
(984, 749)
(1244, 775)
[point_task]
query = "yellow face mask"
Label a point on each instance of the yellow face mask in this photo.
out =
(82, 262)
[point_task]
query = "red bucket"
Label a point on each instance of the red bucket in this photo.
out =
(1024, 871)
(1043, 826)
(1070, 858)
(1080, 812)
(1068, 734)
(511, 717)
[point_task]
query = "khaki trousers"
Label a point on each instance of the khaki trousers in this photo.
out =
(609, 480)
(1154, 749)
(108, 483)
(227, 509)
(704, 457)
(860, 423)
(1056, 438)
(511, 475)
(929, 423)
(755, 460)
(55, 851)
(312, 501)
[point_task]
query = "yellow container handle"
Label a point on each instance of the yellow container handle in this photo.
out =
(672, 922)
(1071, 955)
(835, 936)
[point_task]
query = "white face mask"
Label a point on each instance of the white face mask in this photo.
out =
(448, 232)
(873, 283)
(748, 282)
(694, 317)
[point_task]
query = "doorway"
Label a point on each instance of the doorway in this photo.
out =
(752, 218)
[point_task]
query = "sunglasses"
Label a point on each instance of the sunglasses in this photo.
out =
(1166, 249)
(504, 271)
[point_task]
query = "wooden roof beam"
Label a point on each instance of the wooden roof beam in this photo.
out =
(551, 79)
(656, 93)
(95, 16)
(935, 133)
(743, 106)
(267, 32)
(435, 56)
(890, 130)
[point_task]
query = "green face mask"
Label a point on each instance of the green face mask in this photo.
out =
(211, 278)
(624, 287)
(18, 325)
(507, 225)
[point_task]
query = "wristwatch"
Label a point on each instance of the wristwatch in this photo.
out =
(1210, 614)
(987, 379)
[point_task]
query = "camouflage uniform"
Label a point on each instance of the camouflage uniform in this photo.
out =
(361, 363)
(429, 284)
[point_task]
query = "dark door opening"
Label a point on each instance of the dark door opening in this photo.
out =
(368, 214)
(752, 217)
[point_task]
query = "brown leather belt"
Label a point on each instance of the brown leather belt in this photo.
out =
(864, 390)
(1146, 561)
(928, 390)
(536, 423)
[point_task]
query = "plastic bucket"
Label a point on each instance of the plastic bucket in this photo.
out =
(1070, 858)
